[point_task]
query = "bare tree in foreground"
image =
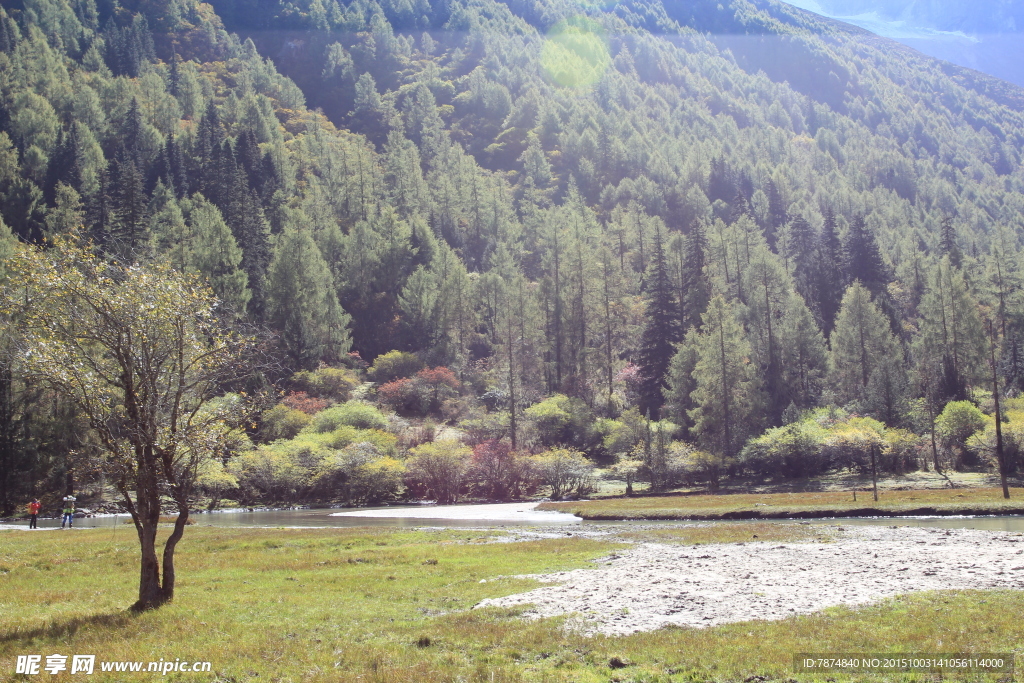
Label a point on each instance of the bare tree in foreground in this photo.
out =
(141, 353)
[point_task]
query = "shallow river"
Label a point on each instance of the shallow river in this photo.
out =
(489, 516)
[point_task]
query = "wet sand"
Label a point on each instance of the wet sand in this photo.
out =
(496, 512)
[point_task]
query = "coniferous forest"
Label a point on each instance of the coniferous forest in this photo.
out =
(490, 246)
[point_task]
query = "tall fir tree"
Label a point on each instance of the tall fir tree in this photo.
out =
(948, 244)
(767, 285)
(696, 288)
(65, 164)
(864, 258)
(952, 334)
(804, 354)
(253, 235)
(303, 304)
(726, 396)
(129, 235)
(830, 274)
(861, 342)
(802, 256)
(660, 335)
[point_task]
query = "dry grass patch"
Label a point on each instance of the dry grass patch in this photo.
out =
(738, 532)
(796, 505)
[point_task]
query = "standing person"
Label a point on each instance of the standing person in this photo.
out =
(69, 512)
(33, 511)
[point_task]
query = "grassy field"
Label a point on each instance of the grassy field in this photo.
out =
(393, 605)
(799, 505)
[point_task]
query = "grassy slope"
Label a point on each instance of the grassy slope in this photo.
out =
(359, 604)
(799, 505)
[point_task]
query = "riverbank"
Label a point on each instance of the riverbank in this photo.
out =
(801, 505)
(397, 605)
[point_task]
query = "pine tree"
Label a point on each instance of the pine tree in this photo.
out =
(829, 275)
(720, 185)
(804, 354)
(951, 331)
(65, 164)
(947, 242)
(249, 157)
(697, 289)
(174, 75)
(303, 305)
(129, 234)
(170, 169)
(130, 141)
(861, 342)
(802, 256)
(777, 213)
(768, 290)
(681, 381)
(727, 395)
(864, 258)
(660, 335)
(67, 213)
(99, 215)
(209, 138)
(253, 235)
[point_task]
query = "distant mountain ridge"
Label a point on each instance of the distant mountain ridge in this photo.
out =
(986, 35)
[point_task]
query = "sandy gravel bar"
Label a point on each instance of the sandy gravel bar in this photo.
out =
(654, 585)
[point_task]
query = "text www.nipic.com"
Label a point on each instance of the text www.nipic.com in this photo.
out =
(161, 667)
(33, 665)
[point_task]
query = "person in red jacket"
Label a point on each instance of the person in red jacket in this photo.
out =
(33, 511)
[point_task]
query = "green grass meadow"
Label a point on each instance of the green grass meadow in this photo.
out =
(386, 605)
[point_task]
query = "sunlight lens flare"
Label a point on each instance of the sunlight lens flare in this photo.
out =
(575, 53)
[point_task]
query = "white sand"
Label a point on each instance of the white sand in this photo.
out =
(654, 585)
(494, 512)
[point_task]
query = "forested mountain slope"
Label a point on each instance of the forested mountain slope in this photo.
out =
(546, 197)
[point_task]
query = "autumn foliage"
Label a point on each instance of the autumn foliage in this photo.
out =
(422, 394)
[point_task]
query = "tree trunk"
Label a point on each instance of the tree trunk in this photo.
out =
(1000, 456)
(169, 546)
(146, 515)
(874, 474)
(150, 591)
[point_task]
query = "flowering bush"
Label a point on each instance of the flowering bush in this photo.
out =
(422, 394)
(566, 471)
(358, 414)
(499, 473)
(300, 400)
(439, 470)
(282, 422)
(394, 365)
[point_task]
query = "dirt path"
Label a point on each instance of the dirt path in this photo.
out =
(654, 585)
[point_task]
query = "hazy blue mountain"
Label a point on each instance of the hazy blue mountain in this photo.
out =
(985, 35)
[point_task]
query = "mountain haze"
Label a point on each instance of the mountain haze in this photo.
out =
(985, 35)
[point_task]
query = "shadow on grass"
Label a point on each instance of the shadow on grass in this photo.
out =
(63, 628)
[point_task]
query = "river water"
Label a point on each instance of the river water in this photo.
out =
(490, 516)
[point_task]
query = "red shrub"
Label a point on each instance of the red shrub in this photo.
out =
(499, 472)
(300, 400)
(421, 394)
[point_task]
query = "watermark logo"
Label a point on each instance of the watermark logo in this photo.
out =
(34, 665)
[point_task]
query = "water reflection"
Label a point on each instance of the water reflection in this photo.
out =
(320, 518)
